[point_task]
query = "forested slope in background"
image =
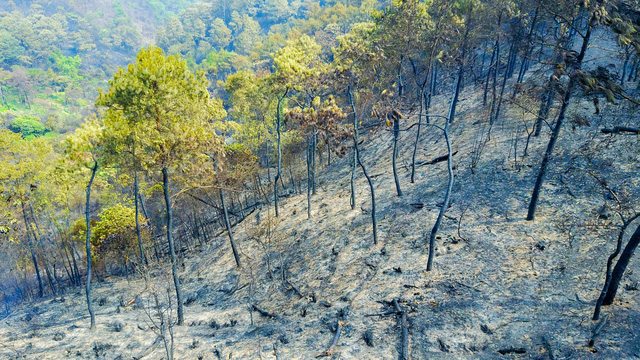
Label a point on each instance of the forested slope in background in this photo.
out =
(54, 55)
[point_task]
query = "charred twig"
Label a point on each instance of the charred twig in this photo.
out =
(386, 313)
(264, 312)
(336, 337)
(563, 181)
(433, 161)
(597, 330)
(286, 281)
(297, 291)
(234, 290)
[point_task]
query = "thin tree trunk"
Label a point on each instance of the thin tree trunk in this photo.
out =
(174, 262)
(278, 172)
(489, 73)
(225, 212)
(33, 252)
(417, 140)
(447, 195)
(607, 277)
(547, 155)
(556, 130)
(364, 170)
(75, 263)
(314, 147)
(524, 65)
(396, 135)
(309, 179)
(50, 279)
(545, 106)
(353, 174)
(493, 85)
(94, 170)
(504, 83)
(136, 190)
(456, 93)
(621, 266)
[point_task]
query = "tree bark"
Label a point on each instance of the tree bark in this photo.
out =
(174, 263)
(94, 170)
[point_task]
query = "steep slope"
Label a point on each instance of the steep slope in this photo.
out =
(501, 285)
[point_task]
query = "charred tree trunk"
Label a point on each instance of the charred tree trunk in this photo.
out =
(545, 106)
(424, 103)
(489, 73)
(417, 140)
(621, 266)
(136, 191)
(33, 251)
(314, 147)
(396, 135)
(174, 262)
(279, 169)
(524, 65)
(309, 174)
(227, 224)
(504, 83)
(447, 195)
(556, 130)
(456, 94)
(32, 226)
(364, 169)
(353, 174)
(94, 170)
(607, 277)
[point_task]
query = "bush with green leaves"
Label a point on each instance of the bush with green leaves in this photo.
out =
(114, 239)
(27, 125)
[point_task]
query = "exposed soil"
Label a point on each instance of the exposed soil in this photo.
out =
(502, 287)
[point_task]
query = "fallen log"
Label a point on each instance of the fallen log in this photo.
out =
(404, 354)
(620, 130)
(512, 350)
(336, 337)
